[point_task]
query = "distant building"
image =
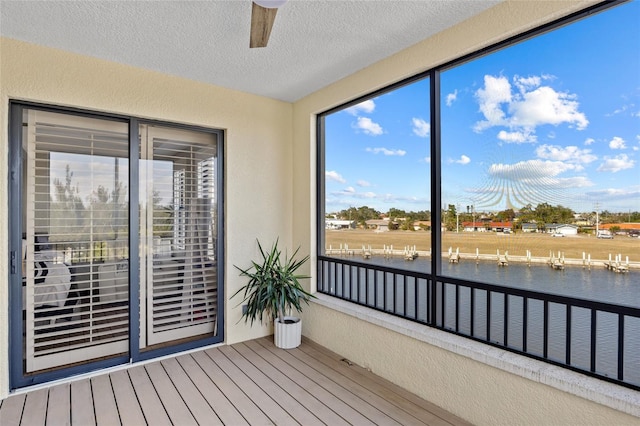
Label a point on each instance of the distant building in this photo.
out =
(561, 228)
(500, 226)
(422, 224)
(529, 227)
(380, 225)
(629, 228)
(474, 227)
(339, 224)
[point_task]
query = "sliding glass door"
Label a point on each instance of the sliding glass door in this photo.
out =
(119, 223)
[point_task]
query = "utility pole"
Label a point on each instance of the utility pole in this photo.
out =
(597, 207)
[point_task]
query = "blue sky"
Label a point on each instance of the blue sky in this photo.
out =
(554, 119)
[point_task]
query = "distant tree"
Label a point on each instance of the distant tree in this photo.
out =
(407, 225)
(359, 214)
(506, 215)
(546, 213)
(449, 217)
(394, 213)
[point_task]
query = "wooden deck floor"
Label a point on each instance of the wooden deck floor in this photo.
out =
(248, 383)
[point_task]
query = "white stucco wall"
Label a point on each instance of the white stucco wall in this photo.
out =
(257, 150)
(466, 385)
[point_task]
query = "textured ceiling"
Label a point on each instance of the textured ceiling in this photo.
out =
(313, 42)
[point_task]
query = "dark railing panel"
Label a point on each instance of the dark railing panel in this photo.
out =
(595, 338)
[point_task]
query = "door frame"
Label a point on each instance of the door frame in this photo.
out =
(17, 376)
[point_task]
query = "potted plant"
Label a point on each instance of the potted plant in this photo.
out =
(273, 290)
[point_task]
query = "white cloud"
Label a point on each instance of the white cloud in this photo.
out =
(615, 193)
(617, 163)
(546, 106)
(452, 97)
(350, 190)
(571, 154)
(334, 176)
(463, 160)
(421, 127)
(516, 137)
(496, 92)
(366, 107)
(589, 141)
(526, 83)
(427, 159)
(363, 183)
(368, 126)
(531, 105)
(530, 169)
(617, 143)
(538, 174)
(385, 151)
(623, 109)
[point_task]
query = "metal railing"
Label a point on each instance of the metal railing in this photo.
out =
(595, 338)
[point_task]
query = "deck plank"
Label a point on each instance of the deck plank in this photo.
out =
(293, 388)
(58, 409)
(313, 382)
(173, 403)
(324, 378)
(11, 409)
(82, 412)
(297, 410)
(150, 404)
(269, 407)
(225, 410)
(390, 413)
(35, 407)
(419, 407)
(126, 400)
(242, 403)
(401, 410)
(104, 402)
(199, 407)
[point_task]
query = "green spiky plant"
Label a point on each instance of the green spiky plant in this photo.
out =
(273, 287)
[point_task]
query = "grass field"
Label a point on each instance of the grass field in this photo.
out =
(540, 245)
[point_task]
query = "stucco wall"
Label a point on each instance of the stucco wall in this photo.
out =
(257, 151)
(466, 387)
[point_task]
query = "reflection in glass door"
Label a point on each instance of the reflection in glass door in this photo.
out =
(75, 239)
(178, 283)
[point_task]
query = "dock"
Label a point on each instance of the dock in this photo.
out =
(503, 260)
(557, 260)
(616, 265)
(454, 257)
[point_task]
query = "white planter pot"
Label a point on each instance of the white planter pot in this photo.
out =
(287, 335)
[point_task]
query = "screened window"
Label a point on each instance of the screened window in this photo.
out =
(524, 185)
(376, 178)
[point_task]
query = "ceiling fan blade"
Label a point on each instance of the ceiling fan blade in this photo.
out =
(262, 19)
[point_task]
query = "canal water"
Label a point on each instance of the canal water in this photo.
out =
(597, 284)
